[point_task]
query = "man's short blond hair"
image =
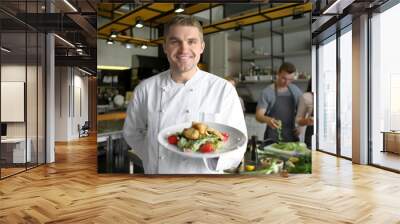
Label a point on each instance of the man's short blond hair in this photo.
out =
(183, 20)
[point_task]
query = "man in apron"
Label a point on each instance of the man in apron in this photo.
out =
(277, 106)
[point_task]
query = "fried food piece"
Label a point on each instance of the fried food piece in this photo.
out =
(191, 133)
(215, 132)
(202, 128)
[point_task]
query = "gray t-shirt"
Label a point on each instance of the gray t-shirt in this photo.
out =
(281, 106)
(267, 98)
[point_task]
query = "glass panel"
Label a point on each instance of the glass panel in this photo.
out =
(385, 89)
(13, 87)
(22, 61)
(327, 96)
(41, 99)
(346, 94)
(31, 97)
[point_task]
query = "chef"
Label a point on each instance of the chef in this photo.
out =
(184, 93)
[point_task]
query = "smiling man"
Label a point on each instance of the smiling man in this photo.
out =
(184, 93)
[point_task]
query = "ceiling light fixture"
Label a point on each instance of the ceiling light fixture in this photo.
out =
(70, 5)
(111, 67)
(180, 8)
(144, 47)
(79, 45)
(110, 41)
(65, 41)
(79, 50)
(128, 45)
(5, 50)
(139, 23)
(113, 34)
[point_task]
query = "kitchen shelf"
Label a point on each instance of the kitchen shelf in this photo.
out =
(269, 81)
(259, 57)
(263, 33)
(267, 47)
(276, 55)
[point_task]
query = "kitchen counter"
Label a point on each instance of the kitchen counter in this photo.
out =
(120, 115)
(110, 122)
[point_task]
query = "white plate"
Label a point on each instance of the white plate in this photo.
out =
(235, 140)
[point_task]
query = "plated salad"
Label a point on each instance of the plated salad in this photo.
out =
(199, 138)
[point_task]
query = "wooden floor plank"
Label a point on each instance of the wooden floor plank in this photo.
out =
(71, 191)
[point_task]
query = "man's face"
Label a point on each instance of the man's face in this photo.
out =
(183, 47)
(285, 78)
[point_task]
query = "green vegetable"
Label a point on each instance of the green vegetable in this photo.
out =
(183, 143)
(279, 130)
(291, 146)
(194, 145)
(197, 143)
(296, 155)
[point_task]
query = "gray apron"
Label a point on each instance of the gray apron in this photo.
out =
(284, 109)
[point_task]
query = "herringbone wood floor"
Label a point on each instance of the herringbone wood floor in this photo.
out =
(70, 191)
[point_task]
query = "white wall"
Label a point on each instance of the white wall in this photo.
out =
(218, 53)
(117, 55)
(61, 103)
(80, 83)
(67, 115)
(14, 72)
(233, 55)
(33, 126)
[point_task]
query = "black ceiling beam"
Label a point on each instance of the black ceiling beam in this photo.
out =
(119, 18)
(91, 5)
(162, 14)
(150, 20)
(83, 61)
(49, 22)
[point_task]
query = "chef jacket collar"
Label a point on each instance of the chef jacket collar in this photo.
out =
(169, 82)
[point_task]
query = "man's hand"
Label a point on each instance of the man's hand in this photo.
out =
(296, 131)
(309, 121)
(273, 123)
(270, 121)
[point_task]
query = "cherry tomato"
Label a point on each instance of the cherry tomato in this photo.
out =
(226, 136)
(206, 148)
(173, 139)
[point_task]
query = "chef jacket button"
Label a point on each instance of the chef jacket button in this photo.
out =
(191, 89)
(187, 111)
(161, 157)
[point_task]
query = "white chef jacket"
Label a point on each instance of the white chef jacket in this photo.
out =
(160, 102)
